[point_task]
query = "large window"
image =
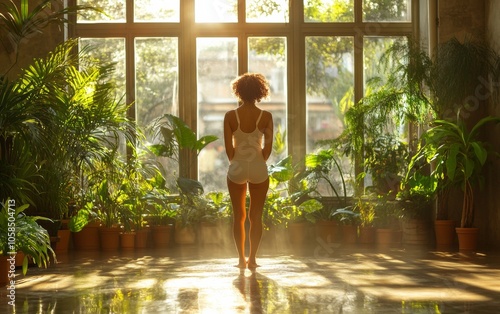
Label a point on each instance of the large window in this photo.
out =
(179, 57)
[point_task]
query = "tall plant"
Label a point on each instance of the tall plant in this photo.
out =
(32, 105)
(459, 156)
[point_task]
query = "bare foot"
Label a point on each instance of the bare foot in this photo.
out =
(241, 265)
(252, 265)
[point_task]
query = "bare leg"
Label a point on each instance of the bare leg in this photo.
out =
(258, 193)
(238, 192)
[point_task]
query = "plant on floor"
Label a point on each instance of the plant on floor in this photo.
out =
(192, 204)
(459, 156)
(347, 216)
(28, 103)
(365, 207)
(322, 166)
(287, 190)
(174, 135)
(22, 233)
(218, 207)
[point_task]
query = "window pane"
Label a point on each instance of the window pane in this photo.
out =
(156, 65)
(156, 10)
(329, 93)
(329, 11)
(110, 50)
(156, 81)
(373, 50)
(114, 11)
(267, 55)
(216, 11)
(386, 10)
(384, 149)
(267, 11)
(217, 66)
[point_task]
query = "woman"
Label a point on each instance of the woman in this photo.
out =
(244, 129)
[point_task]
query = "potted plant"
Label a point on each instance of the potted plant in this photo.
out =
(386, 158)
(22, 233)
(458, 155)
(32, 117)
(214, 226)
(365, 206)
(142, 177)
(324, 175)
(161, 214)
(288, 203)
(387, 222)
(299, 219)
(171, 135)
(350, 221)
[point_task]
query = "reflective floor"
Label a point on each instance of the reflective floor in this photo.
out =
(323, 279)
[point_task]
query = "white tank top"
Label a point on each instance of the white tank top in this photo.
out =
(248, 146)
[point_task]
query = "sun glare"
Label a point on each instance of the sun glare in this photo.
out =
(216, 11)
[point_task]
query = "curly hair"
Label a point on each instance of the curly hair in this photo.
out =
(250, 87)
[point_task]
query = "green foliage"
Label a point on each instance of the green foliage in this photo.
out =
(29, 237)
(217, 207)
(460, 68)
(347, 216)
(82, 217)
(458, 155)
(386, 158)
(366, 210)
(175, 135)
(19, 22)
(320, 166)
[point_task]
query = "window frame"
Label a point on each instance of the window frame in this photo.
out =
(295, 32)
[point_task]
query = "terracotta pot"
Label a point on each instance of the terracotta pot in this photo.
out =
(109, 238)
(87, 238)
(161, 236)
(416, 232)
(445, 233)
(467, 238)
(349, 234)
(366, 235)
(185, 235)
(327, 230)
(297, 232)
(62, 245)
(5, 265)
(127, 240)
(384, 237)
(210, 233)
(142, 238)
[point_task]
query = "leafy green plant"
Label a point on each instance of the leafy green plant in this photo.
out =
(174, 135)
(347, 216)
(386, 158)
(192, 204)
(459, 157)
(28, 236)
(20, 22)
(82, 217)
(287, 190)
(366, 210)
(320, 166)
(218, 207)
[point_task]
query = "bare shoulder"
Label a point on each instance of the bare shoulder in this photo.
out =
(267, 115)
(230, 115)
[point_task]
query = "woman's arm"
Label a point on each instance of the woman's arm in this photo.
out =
(228, 137)
(268, 137)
